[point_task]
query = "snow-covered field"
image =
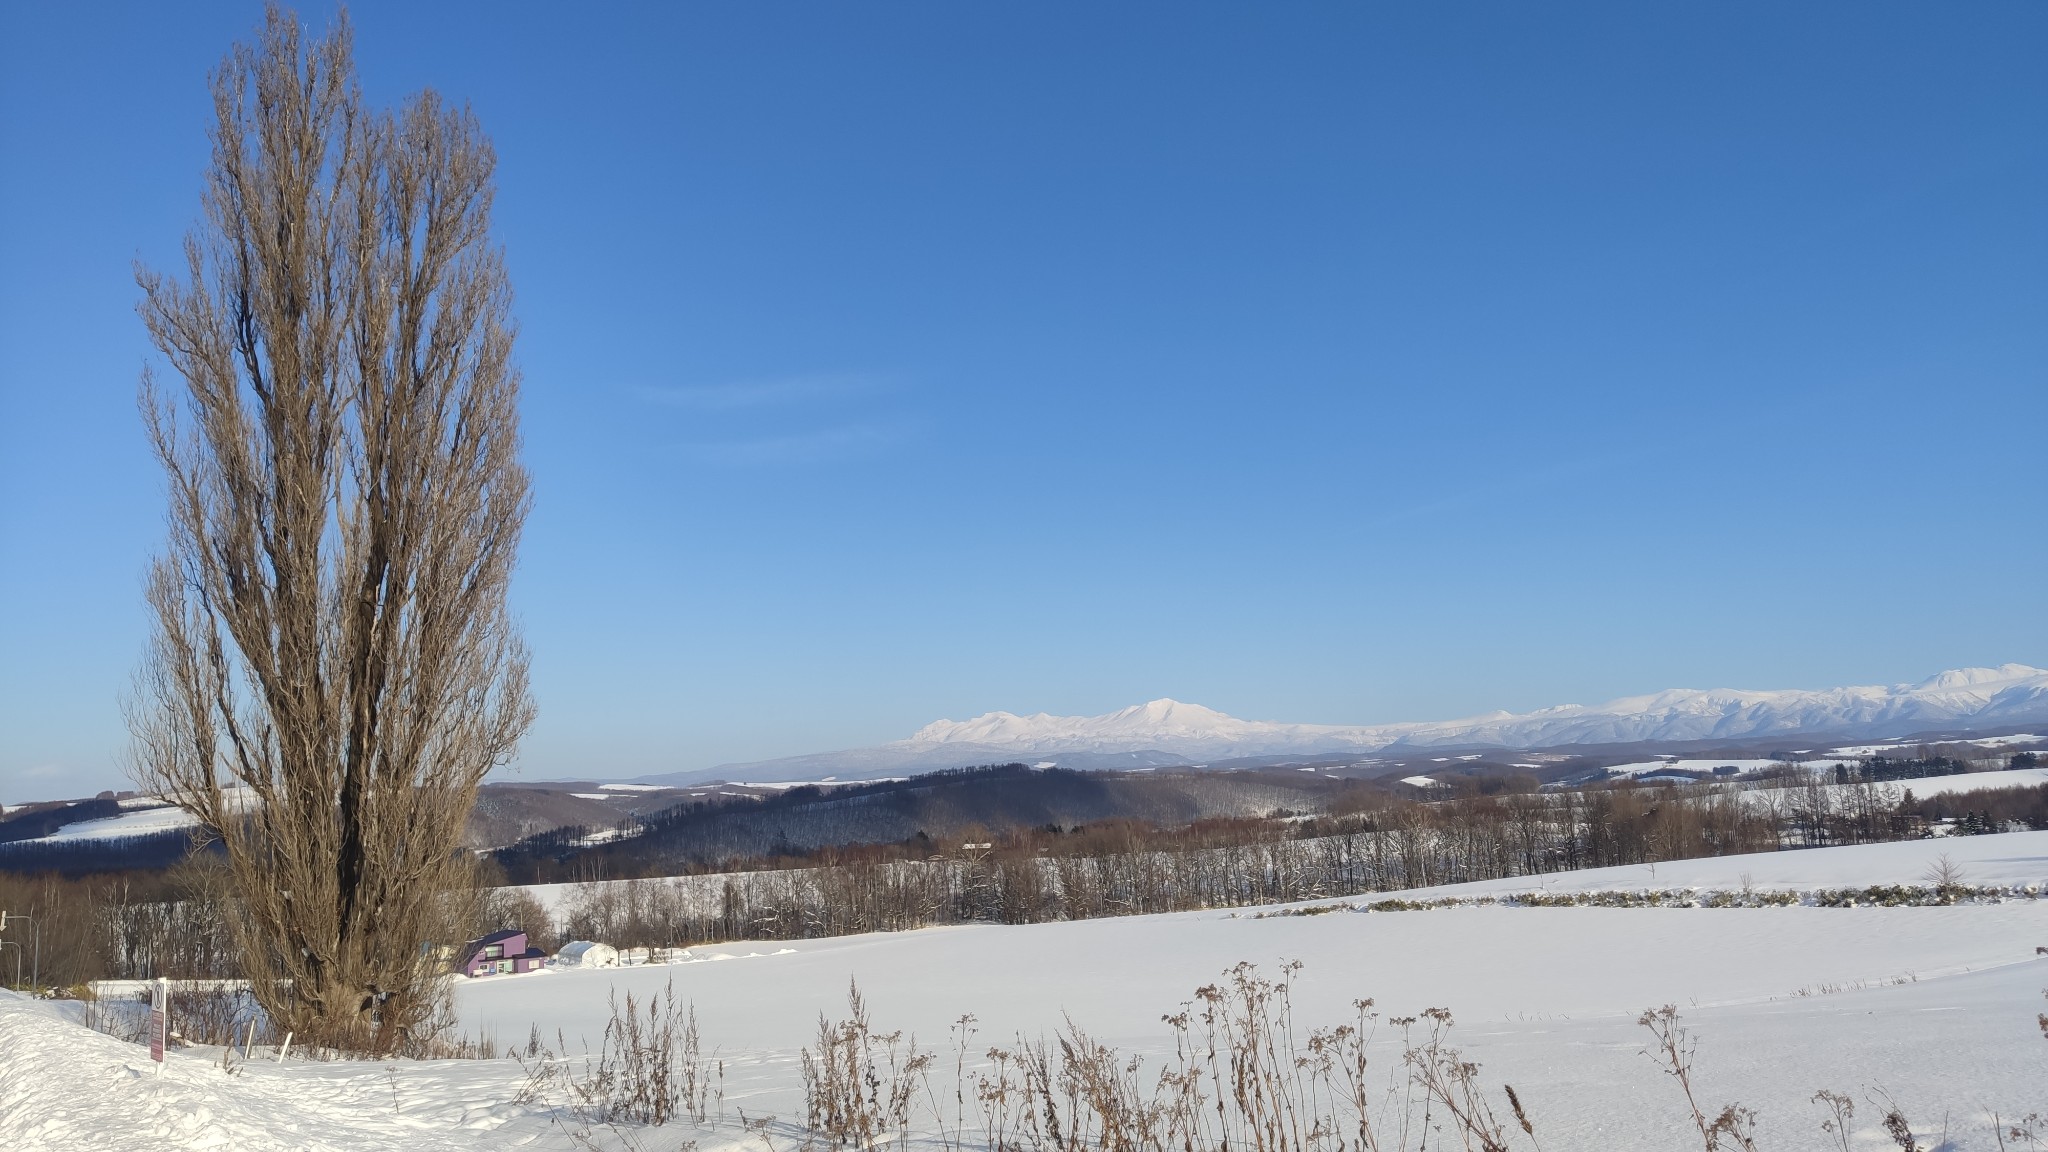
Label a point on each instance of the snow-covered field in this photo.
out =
(1893, 746)
(1976, 781)
(141, 816)
(1933, 1005)
(138, 821)
(1674, 764)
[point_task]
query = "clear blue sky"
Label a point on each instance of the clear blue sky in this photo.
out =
(1322, 362)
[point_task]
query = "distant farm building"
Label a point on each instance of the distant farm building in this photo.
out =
(500, 952)
(587, 954)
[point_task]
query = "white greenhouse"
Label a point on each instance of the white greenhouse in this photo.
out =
(587, 954)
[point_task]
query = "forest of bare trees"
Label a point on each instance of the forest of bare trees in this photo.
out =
(178, 922)
(1035, 875)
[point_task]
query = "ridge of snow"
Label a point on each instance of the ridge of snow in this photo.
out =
(1167, 731)
(1676, 713)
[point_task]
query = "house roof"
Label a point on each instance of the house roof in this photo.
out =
(498, 937)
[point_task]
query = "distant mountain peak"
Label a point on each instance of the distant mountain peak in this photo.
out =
(1167, 731)
(2000, 677)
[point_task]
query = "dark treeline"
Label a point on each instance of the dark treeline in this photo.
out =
(43, 819)
(1887, 768)
(1042, 874)
(172, 922)
(123, 925)
(1992, 810)
(809, 823)
(153, 851)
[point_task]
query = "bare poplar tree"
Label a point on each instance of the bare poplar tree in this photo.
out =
(332, 667)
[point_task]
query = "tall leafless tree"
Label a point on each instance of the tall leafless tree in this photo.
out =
(333, 668)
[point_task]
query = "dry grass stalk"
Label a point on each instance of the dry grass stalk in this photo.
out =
(650, 1070)
(1894, 1121)
(1451, 1081)
(1841, 1110)
(860, 1085)
(1243, 1076)
(1735, 1126)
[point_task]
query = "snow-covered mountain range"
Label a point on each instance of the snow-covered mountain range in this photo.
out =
(1168, 732)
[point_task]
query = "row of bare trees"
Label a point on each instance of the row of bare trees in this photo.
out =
(180, 923)
(1030, 877)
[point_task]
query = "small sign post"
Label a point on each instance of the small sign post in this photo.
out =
(159, 1009)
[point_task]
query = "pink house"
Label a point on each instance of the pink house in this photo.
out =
(504, 951)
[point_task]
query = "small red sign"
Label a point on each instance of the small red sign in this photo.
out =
(156, 1034)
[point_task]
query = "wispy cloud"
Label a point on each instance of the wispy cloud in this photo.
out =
(854, 441)
(787, 421)
(749, 395)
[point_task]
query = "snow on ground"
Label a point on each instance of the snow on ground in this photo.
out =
(607, 835)
(63, 1087)
(1924, 786)
(136, 822)
(2015, 858)
(1892, 746)
(140, 816)
(827, 782)
(1650, 767)
(1921, 785)
(1933, 1004)
(1976, 781)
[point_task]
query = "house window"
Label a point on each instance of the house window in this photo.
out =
(494, 951)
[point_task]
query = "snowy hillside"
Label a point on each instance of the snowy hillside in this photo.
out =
(1932, 1006)
(1166, 732)
(145, 816)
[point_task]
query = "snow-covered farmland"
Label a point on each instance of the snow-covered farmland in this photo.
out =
(1933, 1005)
(1920, 785)
(1891, 747)
(1976, 781)
(1674, 764)
(137, 821)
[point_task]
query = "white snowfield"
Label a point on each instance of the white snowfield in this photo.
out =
(137, 822)
(1934, 1005)
(142, 816)
(1962, 782)
(1897, 747)
(1924, 786)
(1674, 764)
(1921, 786)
